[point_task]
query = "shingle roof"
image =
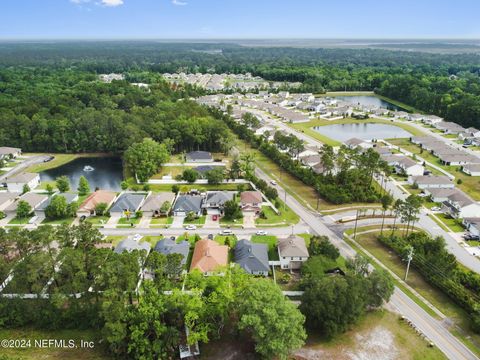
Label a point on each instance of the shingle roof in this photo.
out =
(292, 246)
(208, 255)
(155, 201)
(127, 201)
(251, 257)
(130, 244)
(431, 179)
(7, 196)
(199, 155)
(219, 197)
(188, 203)
(250, 197)
(168, 246)
(99, 196)
(33, 199)
(5, 150)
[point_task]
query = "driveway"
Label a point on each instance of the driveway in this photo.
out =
(112, 222)
(249, 220)
(6, 220)
(144, 221)
(178, 221)
(212, 224)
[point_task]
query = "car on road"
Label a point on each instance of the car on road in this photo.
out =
(470, 237)
(227, 232)
(50, 158)
(273, 182)
(436, 208)
(190, 227)
(261, 232)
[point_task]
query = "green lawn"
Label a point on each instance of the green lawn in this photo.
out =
(198, 221)
(271, 242)
(416, 281)
(164, 220)
(125, 221)
(57, 221)
(221, 239)
(97, 220)
(453, 224)
(200, 187)
(60, 159)
(284, 218)
(20, 221)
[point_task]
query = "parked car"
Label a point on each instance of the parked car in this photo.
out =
(227, 232)
(190, 227)
(436, 208)
(261, 232)
(273, 182)
(470, 237)
(210, 237)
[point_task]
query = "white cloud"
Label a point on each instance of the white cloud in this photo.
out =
(179, 2)
(112, 3)
(109, 3)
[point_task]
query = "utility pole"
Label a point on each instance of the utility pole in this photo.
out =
(409, 259)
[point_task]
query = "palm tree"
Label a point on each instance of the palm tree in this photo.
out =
(386, 202)
(397, 210)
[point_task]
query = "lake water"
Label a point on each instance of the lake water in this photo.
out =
(364, 131)
(107, 173)
(369, 101)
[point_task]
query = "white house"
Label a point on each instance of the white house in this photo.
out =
(459, 205)
(292, 252)
(409, 167)
(431, 182)
(472, 169)
(472, 225)
(16, 183)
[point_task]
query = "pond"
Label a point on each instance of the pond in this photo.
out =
(107, 172)
(369, 100)
(364, 131)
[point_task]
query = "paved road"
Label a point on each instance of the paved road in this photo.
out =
(25, 164)
(431, 327)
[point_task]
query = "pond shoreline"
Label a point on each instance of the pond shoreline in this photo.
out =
(61, 159)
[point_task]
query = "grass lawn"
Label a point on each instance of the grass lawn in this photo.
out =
(125, 221)
(200, 187)
(271, 242)
(97, 220)
(60, 159)
(406, 343)
(20, 221)
(450, 223)
(164, 220)
(221, 239)
(198, 221)
(469, 184)
(57, 221)
(412, 190)
(416, 281)
(170, 170)
(285, 218)
(52, 353)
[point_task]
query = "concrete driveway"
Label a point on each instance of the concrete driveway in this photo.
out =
(249, 220)
(144, 221)
(112, 222)
(178, 222)
(212, 224)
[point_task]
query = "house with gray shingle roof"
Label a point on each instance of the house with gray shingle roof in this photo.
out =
(188, 203)
(132, 243)
(215, 201)
(127, 202)
(170, 246)
(431, 181)
(292, 252)
(16, 183)
(154, 202)
(199, 157)
(252, 257)
(70, 197)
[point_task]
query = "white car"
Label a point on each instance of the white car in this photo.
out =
(273, 182)
(227, 232)
(261, 232)
(436, 208)
(190, 227)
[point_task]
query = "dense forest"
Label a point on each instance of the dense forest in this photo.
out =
(51, 100)
(59, 110)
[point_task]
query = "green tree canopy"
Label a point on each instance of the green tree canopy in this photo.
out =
(145, 158)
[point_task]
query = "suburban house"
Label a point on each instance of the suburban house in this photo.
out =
(318, 168)
(251, 201)
(459, 205)
(87, 208)
(153, 203)
(353, 143)
(471, 169)
(170, 246)
(132, 243)
(310, 160)
(472, 225)
(449, 127)
(33, 199)
(439, 195)
(16, 183)
(215, 200)
(431, 181)
(69, 197)
(186, 204)
(403, 165)
(208, 256)
(127, 202)
(9, 152)
(252, 257)
(458, 159)
(432, 119)
(6, 199)
(292, 252)
(198, 157)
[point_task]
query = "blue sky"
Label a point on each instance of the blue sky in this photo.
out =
(188, 19)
